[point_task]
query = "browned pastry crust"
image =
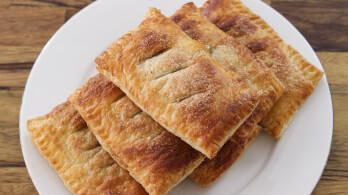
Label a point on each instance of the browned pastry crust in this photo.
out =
(64, 140)
(297, 74)
(154, 157)
(238, 58)
(174, 79)
(210, 170)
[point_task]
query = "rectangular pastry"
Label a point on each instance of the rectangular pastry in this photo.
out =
(239, 59)
(298, 75)
(154, 157)
(64, 140)
(173, 79)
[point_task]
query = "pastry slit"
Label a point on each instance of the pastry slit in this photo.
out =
(237, 59)
(298, 75)
(181, 99)
(118, 98)
(154, 55)
(94, 153)
(82, 171)
(109, 164)
(208, 119)
(78, 130)
(137, 113)
(170, 72)
(155, 158)
(92, 148)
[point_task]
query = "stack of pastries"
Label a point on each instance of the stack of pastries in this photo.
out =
(176, 97)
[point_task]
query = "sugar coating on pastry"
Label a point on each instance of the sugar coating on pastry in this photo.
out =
(298, 75)
(153, 156)
(64, 140)
(174, 79)
(238, 58)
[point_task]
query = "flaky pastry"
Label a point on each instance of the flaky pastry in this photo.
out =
(173, 79)
(153, 156)
(298, 75)
(64, 140)
(238, 58)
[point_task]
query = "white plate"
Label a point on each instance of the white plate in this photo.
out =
(292, 165)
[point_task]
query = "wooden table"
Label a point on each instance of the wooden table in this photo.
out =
(26, 25)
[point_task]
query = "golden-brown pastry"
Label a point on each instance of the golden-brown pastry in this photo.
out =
(297, 74)
(212, 169)
(154, 157)
(173, 78)
(238, 58)
(64, 140)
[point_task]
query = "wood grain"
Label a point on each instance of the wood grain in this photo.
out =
(335, 177)
(26, 25)
(26, 31)
(52, 3)
(5, 3)
(10, 102)
(13, 78)
(324, 23)
(335, 65)
(15, 180)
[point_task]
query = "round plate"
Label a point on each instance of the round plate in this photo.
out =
(292, 165)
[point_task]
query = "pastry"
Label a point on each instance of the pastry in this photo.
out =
(64, 140)
(173, 79)
(298, 75)
(238, 58)
(154, 157)
(210, 170)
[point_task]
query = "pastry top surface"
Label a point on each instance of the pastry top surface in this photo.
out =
(174, 79)
(234, 55)
(73, 151)
(243, 62)
(154, 157)
(298, 75)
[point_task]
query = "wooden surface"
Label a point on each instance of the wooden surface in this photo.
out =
(26, 25)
